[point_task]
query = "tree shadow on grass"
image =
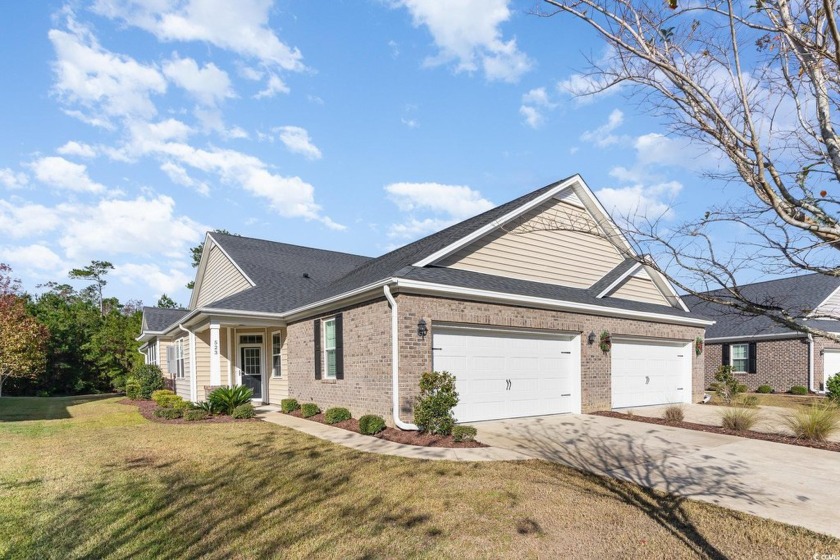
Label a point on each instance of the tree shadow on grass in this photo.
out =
(20, 409)
(638, 472)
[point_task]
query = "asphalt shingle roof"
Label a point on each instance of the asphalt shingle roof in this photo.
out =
(799, 293)
(157, 319)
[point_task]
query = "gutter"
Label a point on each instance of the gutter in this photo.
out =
(811, 363)
(395, 363)
(193, 376)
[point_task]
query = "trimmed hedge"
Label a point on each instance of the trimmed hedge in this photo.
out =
(132, 389)
(289, 405)
(371, 424)
(309, 409)
(764, 389)
(798, 390)
(196, 414)
(464, 433)
(169, 413)
(244, 411)
(336, 415)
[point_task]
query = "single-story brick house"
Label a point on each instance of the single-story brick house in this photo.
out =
(763, 352)
(514, 312)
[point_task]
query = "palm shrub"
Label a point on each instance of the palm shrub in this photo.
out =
(371, 424)
(739, 419)
(206, 406)
(150, 379)
(132, 389)
(832, 388)
(309, 409)
(726, 386)
(244, 411)
(336, 415)
(815, 422)
(225, 399)
(433, 412)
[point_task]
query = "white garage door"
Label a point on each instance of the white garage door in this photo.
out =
(831, 365)
(646, 372)
(508, 374)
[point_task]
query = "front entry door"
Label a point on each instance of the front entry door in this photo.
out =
(250, 361)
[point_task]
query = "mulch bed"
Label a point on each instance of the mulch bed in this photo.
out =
(147, 410)
(778, 438)
(397, 435)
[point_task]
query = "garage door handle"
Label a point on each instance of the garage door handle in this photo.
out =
(679, 388)
(437, 348)
(566, 395)
(647, 379)
(508, 384)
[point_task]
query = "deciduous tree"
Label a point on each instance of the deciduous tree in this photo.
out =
(22, 337)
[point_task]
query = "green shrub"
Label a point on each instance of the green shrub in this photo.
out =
(336, 415)
(750, 401)
(150, 379)
(433, 412)
(832, 388)
(244, 411)
(132, 389)
(739, 419)
(815, 422)
(674, 413)
(371, 424)
(196, 414)
(726, 386)
(226, 399)
(309, 409)
(464, 433)
(169, 413)
(162, 395)
(206, 406)
(764, 389)
(742, 388)
(798, 390)
(289, 405)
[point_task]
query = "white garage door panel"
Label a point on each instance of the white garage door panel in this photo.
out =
(831, 365)
(650, 372)
(543, 371)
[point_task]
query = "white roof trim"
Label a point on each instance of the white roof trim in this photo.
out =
(756, 336)
(202, 267)
(620, 280)
(189, 317)
(586, 308)
(573, 181)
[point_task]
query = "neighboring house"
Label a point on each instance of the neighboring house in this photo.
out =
(763, 352)
(516, 317)
(156, 345)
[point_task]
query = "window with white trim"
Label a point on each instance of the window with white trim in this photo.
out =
(329, 348)
(179, 358)
(739, 357)
(275, 354)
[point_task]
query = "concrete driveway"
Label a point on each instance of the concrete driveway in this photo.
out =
(791, 484)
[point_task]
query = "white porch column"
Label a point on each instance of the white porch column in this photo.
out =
(215, 354)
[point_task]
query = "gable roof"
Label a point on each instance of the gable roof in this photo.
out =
(802, 294)
(156, 319)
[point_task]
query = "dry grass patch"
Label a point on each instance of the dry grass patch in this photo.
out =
(117, 489)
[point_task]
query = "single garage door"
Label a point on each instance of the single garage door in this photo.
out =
(646, 372)
(831, 365)
(509, 374)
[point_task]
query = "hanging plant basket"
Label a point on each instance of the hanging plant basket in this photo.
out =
(698, 346)
(606, 341)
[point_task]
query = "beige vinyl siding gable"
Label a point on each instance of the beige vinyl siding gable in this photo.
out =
(640, 287)
(545, 252)
(221, 278)
(831, 306)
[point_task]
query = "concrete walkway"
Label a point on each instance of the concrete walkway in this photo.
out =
(370, 444)
(771, 418)
(791, 484)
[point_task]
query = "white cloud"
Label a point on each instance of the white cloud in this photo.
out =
(586, 88)
(450, 203)
(35, 256)
(296, 140)
(19, 219)
(651, 201)
(534, 104)
(274, 86)
(179, 175)
(209, 85)
(13, 179)
(104, 83)
(60, 173)
(241, 27)
(468, 34)
(160, 281)
(79, 149)
(603, 135)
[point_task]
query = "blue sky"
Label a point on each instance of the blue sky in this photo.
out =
(132, 127)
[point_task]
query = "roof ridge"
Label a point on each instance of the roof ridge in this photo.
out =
(261, 240)
(773, 281)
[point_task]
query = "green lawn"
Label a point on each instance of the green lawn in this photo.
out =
(90, 478)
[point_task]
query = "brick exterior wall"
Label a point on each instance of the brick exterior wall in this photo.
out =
(366, 387)
(780, 363)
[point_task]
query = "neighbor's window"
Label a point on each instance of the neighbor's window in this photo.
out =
(739, 354)
(329, 348)
(275, 355)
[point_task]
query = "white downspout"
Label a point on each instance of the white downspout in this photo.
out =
(193, 376)
(395, 363)
(811, 363)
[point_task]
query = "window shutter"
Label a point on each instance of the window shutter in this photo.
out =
(171, 365)
(339, 347)
(725, 353)
(751, 358)
(317, 330)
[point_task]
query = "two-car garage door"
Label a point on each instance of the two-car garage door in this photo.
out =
(509, 374)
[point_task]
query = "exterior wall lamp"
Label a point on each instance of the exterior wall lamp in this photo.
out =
(591, 338)
(422, 329)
